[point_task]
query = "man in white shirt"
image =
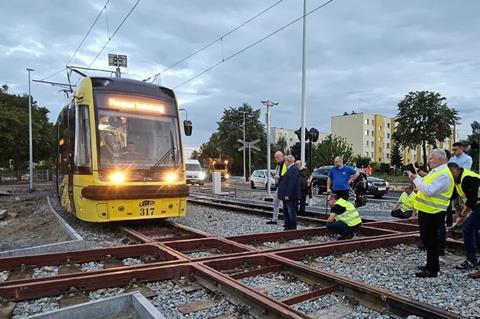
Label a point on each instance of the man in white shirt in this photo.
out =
(463, 160)
(433, 199)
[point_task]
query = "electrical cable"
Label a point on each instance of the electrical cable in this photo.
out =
(252, 44)
(115, 32)
(212, 42)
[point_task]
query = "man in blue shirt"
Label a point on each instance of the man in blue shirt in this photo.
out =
(340, 178)
(459, 157)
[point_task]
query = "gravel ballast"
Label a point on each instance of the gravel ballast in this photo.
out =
(225, 223)
(276, 285)
(171, 295)
(394, 269)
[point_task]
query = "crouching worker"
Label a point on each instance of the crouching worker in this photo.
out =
(404, 207)
(344, 218)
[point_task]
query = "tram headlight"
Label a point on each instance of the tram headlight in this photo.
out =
(227, 176)
(202, 175)
(171, 177)
(117, 177)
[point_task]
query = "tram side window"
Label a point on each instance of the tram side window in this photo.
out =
(83, 150)
(63, 141)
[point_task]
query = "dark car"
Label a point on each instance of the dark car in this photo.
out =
(376, 186)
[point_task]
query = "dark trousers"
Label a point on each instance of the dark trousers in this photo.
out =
(471, 236)
(343, 229)
(449, 215)
(429, 225)
(302, 201)
(290, 214)
(342, 193)
(442, 231)
(403, 215)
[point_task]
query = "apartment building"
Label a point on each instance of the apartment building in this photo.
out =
(290, 136)
(371, 135)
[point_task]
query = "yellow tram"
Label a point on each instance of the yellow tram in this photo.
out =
(119, 152)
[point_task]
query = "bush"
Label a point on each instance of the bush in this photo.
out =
(385, 168)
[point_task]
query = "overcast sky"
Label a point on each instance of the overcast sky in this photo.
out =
(361, 55)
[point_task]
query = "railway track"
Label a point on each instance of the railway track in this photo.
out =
(186, 272)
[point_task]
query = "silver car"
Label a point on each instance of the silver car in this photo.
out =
(259, 179)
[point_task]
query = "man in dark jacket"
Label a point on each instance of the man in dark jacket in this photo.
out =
(305, 178)
(288, 192)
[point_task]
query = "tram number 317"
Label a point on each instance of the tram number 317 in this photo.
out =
(147, 211)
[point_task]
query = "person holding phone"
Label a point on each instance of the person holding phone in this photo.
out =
(431, 202)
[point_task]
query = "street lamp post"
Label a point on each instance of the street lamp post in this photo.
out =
(30, 143)
(304, 116)
(244, 151)
(269, 104)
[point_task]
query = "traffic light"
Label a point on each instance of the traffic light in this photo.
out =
(299, 134)
(313, 134)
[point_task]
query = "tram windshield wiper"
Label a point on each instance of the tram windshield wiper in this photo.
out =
(163, 158)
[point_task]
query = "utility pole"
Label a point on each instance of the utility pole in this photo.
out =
(304, 115)
(244, 151)
(269, 104)
(30, 144)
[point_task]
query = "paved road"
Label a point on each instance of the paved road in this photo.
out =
(236, 183)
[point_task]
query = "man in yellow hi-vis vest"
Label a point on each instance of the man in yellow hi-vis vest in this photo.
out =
(467, 184)
(344, 218)
(404, 207)
(280, 171)
(432, 201)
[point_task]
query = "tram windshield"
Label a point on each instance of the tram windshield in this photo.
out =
(138, 141)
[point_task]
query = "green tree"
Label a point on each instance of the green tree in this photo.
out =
(423, 118)
(224, 142)
(14, 131)
(324, 153)
(361, 160)
(473, 140)
(280, 145)
(194, 154)
(396, 157)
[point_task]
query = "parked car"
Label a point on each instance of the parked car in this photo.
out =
(259, 179)
(376, 186)
(193, 172)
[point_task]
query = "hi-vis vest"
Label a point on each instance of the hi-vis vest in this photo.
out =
(283, 171)
(461, 193)
(351, 217)
(406, 202)
(436, 203)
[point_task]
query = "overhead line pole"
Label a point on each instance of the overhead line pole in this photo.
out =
(269, 104)
(30, 142)
(304, 115)
(244, 151)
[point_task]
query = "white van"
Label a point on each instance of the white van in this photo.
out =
(194, 172)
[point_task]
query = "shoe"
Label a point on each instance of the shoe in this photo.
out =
(426, 274)
(271, 222)
(345, 237)
(422, 268)
(467, 265)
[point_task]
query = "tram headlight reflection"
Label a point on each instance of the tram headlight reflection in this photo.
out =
(202, 175)
(171, 177)
(117, 177)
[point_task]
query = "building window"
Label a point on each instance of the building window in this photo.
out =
(373, 122)
(379, 139)
(388, 155)
(366, 143)
(366, 132)
(388, 135)
(371, 143)
(388, 125)
(366, 121)
(367, 154)
(388, 145)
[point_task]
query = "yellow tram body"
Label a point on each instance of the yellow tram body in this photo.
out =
(119, 152)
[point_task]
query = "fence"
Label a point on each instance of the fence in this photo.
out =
(23, 176)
